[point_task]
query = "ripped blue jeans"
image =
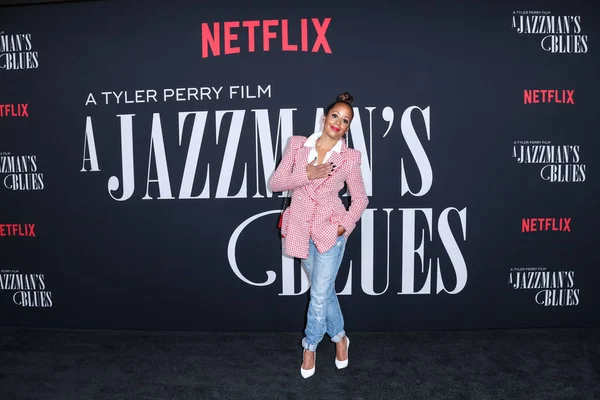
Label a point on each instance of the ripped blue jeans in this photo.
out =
(324, 312)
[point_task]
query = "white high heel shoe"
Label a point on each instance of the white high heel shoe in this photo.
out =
(343, 364)
(307, 373)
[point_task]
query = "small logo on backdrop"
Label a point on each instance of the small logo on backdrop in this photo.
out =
(20, 230)
(546, 225)
(561, 34)
(536, 96)
(551, 288)
(559, 163)
(16, 52)
(14, 110)
(234, 37)
(20, 173)
(28, 290)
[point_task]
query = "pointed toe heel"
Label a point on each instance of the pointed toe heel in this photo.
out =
(307, 373)
(344, 364)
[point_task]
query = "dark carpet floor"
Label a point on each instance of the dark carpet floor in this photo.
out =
(495, 364)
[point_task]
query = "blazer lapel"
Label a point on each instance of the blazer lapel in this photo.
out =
(301, 162)
(302, 156)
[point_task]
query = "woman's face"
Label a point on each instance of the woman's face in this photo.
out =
(337, 121)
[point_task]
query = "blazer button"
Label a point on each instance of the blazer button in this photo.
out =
(299, 197)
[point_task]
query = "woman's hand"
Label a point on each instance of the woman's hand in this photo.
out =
(319, 171)
(341, 230)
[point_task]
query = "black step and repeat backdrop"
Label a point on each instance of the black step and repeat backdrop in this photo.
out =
(136, 140)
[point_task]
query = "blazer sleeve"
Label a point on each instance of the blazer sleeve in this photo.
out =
(358, 196)
(288, 176)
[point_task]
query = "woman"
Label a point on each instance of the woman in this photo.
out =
(317, 225)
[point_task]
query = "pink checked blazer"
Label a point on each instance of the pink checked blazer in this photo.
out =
(316, 209)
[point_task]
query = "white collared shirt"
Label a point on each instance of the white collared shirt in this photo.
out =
(312, 143)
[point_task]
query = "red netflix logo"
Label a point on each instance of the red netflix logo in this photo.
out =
(14, 110)
(23, 230)
(546, 224)
(548, 96)
(211, 39)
